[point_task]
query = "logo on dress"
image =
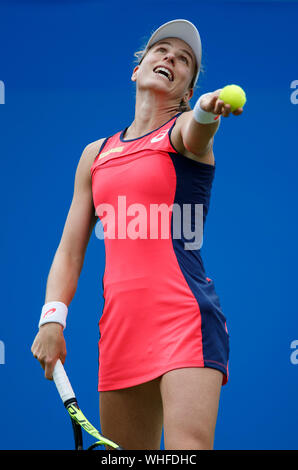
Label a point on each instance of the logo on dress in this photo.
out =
(159, 136)
(113, 150)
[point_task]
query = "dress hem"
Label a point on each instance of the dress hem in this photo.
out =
(146, 378)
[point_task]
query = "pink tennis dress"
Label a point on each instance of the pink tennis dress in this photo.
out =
(161, 312)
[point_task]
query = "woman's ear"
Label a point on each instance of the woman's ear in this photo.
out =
(188, 95)
(135, 73)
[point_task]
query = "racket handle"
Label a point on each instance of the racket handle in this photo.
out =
(62, 382)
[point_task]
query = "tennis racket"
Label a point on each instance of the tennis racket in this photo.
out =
(78, 419)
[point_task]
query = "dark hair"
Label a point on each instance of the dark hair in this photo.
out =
(184, 105)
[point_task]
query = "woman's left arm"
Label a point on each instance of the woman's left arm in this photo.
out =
(197, 137)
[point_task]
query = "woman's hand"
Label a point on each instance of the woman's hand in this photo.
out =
(49, 346)
(211, 103)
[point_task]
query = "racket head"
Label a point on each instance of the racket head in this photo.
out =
(77, 430)
(100, 446)
(78, 435)
(78, 419)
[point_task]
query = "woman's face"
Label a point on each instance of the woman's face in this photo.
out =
(167, 67)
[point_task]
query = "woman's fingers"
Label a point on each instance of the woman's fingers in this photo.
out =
(213, 104)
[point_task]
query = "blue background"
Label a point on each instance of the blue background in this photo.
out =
(66, 66)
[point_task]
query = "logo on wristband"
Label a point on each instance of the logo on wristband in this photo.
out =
(49, 312)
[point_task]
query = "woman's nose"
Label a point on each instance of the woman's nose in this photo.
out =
(170, 57)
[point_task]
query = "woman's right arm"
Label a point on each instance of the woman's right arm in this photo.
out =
(49, 344)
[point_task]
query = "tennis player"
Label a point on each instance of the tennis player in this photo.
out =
(164, 345)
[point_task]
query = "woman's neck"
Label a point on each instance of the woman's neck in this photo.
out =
(151, 112)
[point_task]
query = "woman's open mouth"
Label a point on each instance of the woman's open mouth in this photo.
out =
(165, 72)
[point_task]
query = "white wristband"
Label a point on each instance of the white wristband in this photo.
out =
(201, 116)
(53, 312)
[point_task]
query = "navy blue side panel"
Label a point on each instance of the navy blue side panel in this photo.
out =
(194, 181)
(193, 186)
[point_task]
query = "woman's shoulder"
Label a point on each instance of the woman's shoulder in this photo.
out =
(91, 151)
(93, 148)
(88, 156)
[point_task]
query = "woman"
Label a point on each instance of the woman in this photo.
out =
(164, 343)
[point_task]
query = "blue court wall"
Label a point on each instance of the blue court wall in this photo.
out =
(65, 70)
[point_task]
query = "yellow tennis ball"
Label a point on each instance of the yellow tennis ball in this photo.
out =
(233, 95)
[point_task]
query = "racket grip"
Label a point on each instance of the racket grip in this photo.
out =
(62, 382)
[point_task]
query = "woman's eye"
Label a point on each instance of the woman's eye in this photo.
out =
(184, 59)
